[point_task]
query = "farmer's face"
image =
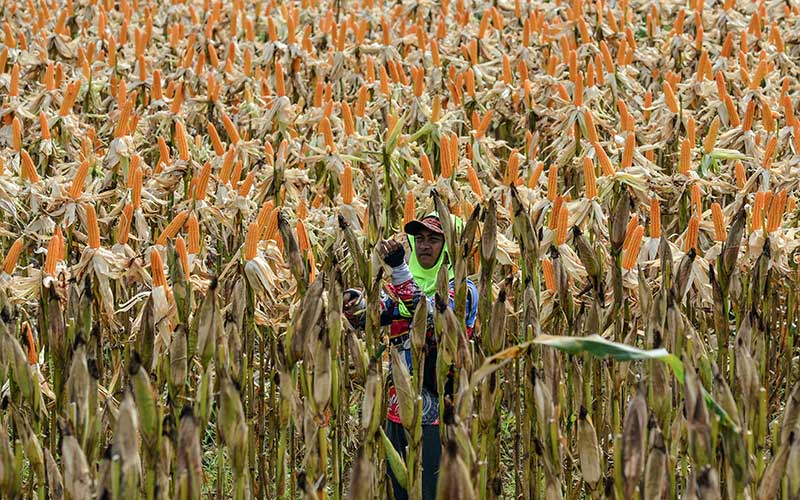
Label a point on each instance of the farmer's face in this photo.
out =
(428, 246)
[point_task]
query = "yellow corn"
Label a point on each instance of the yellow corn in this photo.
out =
(749, 113)
(776, 211)
(533, 181)
(13, 87)
(54, 250)
(691, 131)
(11, 258)
(409, 209)
(271, 231)
(327, 133)
(669, 98)
(686, 157)
(230, 129)
(251, 241)
(591, 130)
(769, 152)
(125, 220)
(474, 182)
(236, 174)
(655, 218)
(696, 200)
(720, 233)
(183, 256)
(632, 223)
(194, 234)
(181, 141)
(28, 168)
(605, 162)
(347, 185)
(303, 241)
(347, 117)
(157, 269)
(177, 100)
(711, 137)
(740, 174)
(44, 127)
(767, 118)
(16, 134)
(561, 227)
(691, 233)
(93, 230)
(555, 211)
(758, 208)
(512, 168)
(733, 113)
(552, 182)
(549, 275)
(227, 165)
(627, 153)
(589, 179)
(632, 248)
(173, 227)
(219, 148)
(76, 189)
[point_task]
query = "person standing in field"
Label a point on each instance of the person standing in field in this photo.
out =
(413, 280)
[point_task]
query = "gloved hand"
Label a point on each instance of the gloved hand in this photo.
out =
(392, 252)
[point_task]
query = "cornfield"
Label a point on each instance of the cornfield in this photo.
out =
(188, 188)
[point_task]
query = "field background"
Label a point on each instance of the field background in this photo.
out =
(188, 187)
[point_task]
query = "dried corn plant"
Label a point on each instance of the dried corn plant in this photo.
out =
(188, 188)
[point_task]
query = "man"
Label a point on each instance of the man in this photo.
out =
(413, 281)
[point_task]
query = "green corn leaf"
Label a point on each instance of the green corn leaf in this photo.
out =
(395, 461)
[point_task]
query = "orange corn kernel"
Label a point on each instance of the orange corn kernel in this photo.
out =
(696, 199)
(552, 182)
(720, 233)
(303, 241)
(561, 226)
(347, 185)
(632, 223)
(12, 257)
(758, 208)
(686, 157)
(549, 275)
(655, 218)
(740, 175)
(474, 182)
(409, 209)
(193, 228)
(589, 178)
(219, 148)
(202, 182)
(711, 137)
(92, 227)
(173, 227)
(425, 167)
(603, 159)
(157, 269)
(28, 168)
(251, 241)
(691, 234)
(769, 152)
(230, 129)
(632, 248)
(630, 146)
(76, 189)
(124, 228)
(670, 99)
(181, 141)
